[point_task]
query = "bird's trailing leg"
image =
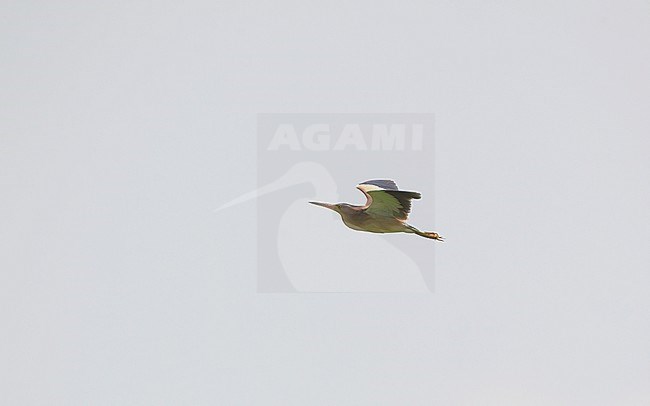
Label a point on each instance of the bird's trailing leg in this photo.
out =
(425, 234)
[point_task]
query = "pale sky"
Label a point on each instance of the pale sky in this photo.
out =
(125, 124)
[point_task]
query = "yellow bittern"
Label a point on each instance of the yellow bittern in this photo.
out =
(385, 211)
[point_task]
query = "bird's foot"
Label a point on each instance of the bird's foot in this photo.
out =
(434, 236)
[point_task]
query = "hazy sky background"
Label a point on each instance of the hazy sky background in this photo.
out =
(124, 124)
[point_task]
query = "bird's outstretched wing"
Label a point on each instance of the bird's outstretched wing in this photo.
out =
(384, 199)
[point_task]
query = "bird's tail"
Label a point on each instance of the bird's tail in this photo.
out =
(426, 234)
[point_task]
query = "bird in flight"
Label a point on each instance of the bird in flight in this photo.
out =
(385, 211)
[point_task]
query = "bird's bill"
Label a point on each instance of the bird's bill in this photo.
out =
(327, 205)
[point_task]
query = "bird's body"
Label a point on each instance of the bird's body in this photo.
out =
(385, 211)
